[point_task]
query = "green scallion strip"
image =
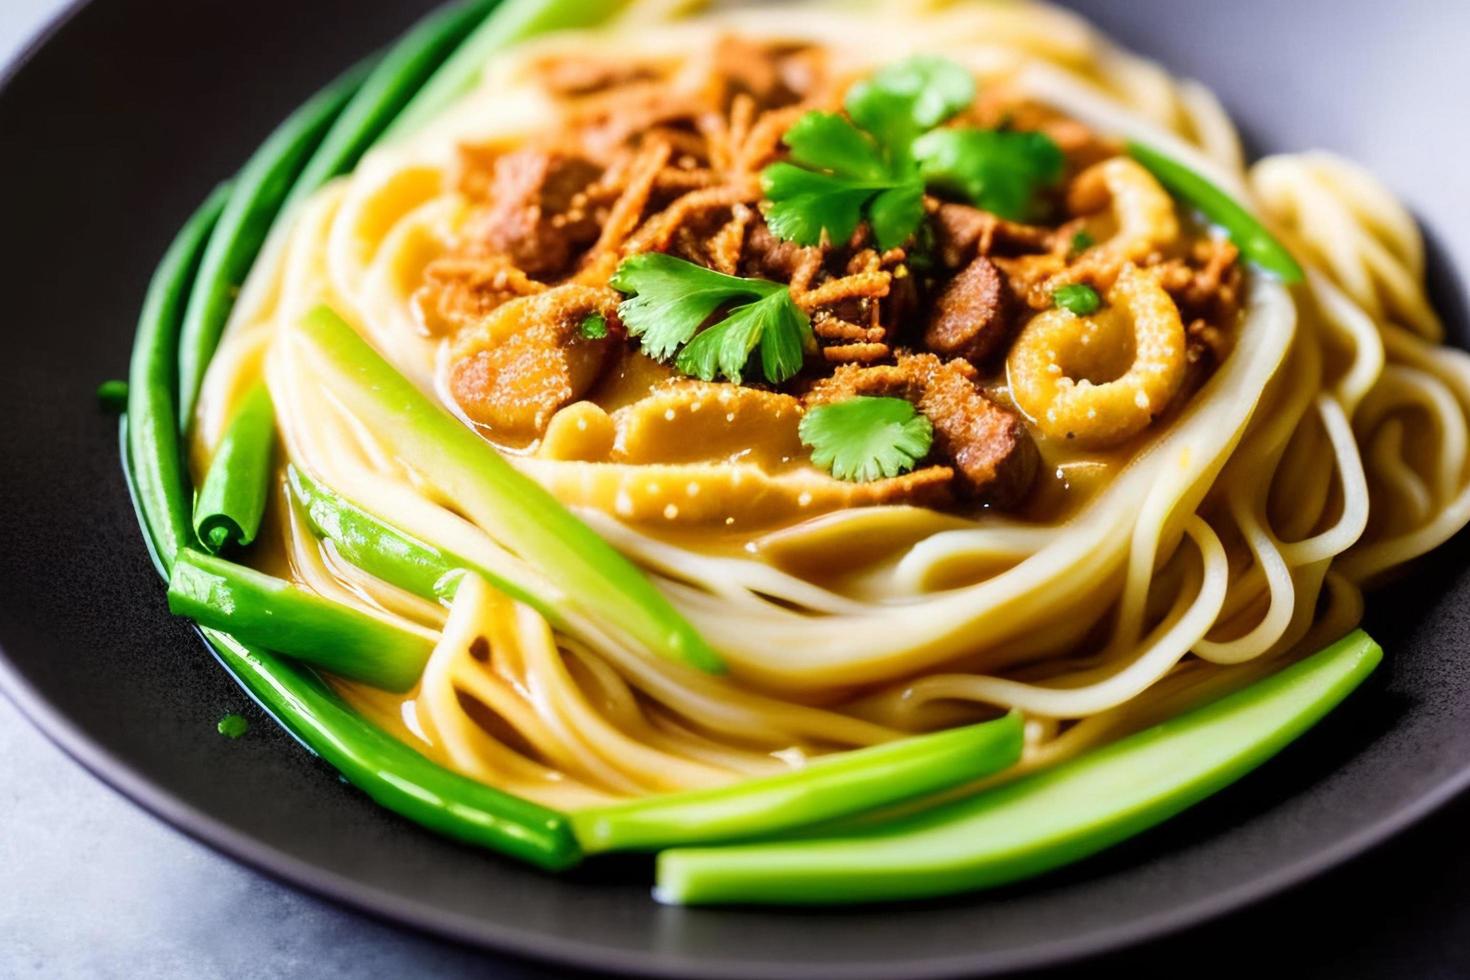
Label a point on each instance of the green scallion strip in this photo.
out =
(1038, 822)
(512, 21)
(515, 510)
(399, 558)
(253, 204)
(389, 771)
(232, 500)
(373, 545)
(1256, 243)
(259, 608)
(158, 477)
(418, 789)
(831, 787)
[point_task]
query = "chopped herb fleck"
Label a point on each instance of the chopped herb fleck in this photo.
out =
(594, 326)
(113, 396)
(232, 726)
(1077, 297)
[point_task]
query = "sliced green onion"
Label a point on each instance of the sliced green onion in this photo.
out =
(399, 558)
(515, 510)
(1038, 822)
(154, 457)
(253, 204)
(593, 326)
(512, 21)
(1250, 236)
(232, 500)
(389, 771)
(259, 608)
(831, 787)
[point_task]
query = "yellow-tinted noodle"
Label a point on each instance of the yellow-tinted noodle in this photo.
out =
(1328, 448)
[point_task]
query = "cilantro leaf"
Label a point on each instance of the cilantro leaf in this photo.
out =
(895, 214)
(827, 141)
(876, 163)
(673, 300)
(805, 203)
(864, 438)
(847, 173)
(997, 170)
(850, 177)
(907, 98)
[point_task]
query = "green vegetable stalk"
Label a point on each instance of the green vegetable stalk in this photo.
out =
(391, 772)
(261, 609)
(388, 770)
(373, 545)
(398, 558)
(515, 510)
(1256, 243)
(232, 500)
(829, 788)
(1038, 822)
(254, 201)
(157, 476)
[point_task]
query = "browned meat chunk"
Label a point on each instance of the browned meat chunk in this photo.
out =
(970, 315)
(962, 232)
(537, 214)
(528, 359)
(992, 453)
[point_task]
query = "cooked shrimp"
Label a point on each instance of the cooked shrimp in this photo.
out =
(1140, 218)
(1101, 379)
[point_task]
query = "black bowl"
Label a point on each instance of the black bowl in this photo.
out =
(121, 122)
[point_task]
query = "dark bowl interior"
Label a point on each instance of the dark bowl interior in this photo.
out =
(133, 109)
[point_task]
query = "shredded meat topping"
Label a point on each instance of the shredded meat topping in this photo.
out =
(654, 156)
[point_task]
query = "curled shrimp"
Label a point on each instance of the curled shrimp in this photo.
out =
(1101, 379)
(1141, 220)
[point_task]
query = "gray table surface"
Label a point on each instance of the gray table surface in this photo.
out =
(91, 886)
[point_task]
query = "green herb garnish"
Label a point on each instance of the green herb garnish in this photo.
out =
(865, 438)
(113, 396)
(232, 726)
(998, 171)
(673, 300)
(876, 162)
(1082, 241)
(1077, 297)
(594, 326)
